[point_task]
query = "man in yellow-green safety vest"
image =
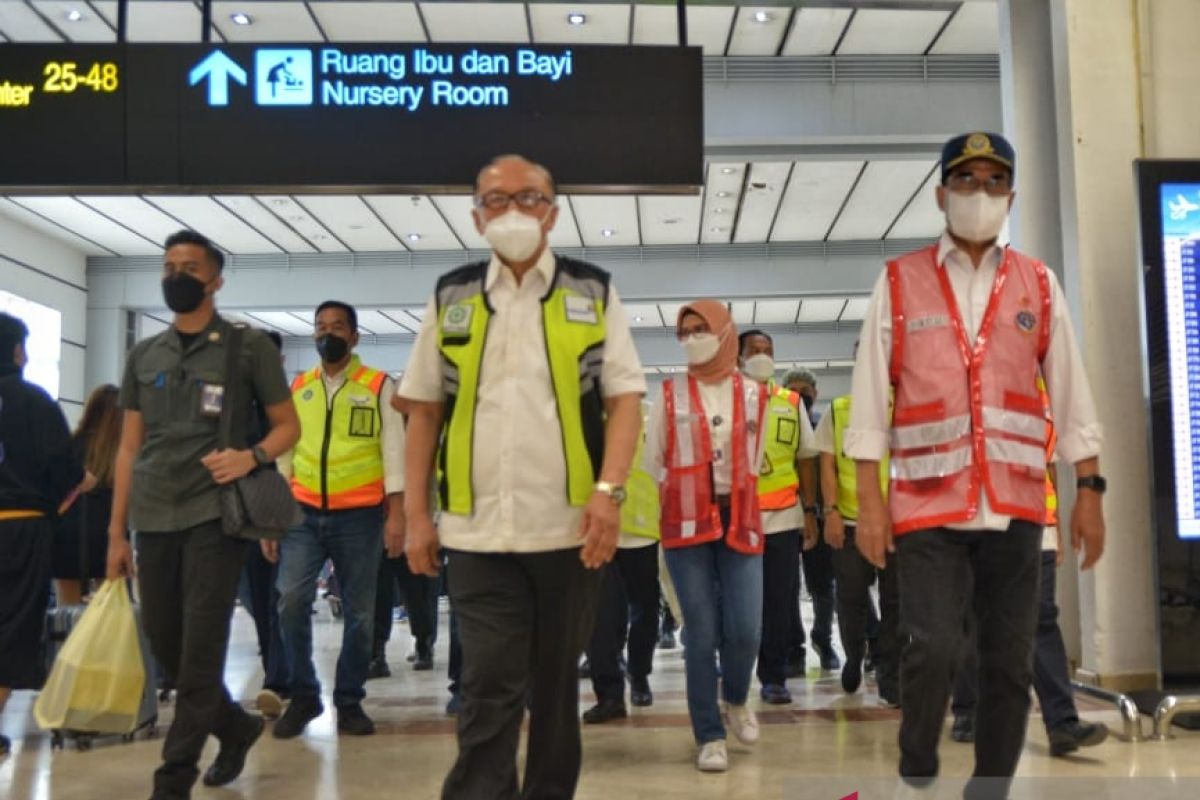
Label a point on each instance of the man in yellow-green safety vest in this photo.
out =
(347, 473)
(787, 496)
(854, 573)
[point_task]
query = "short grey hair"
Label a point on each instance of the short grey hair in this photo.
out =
(802, 375)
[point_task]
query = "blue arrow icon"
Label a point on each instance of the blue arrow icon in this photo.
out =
(218, 68)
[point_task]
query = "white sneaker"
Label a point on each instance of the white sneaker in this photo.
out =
(269, 704)
(713, 757)
(743, 722)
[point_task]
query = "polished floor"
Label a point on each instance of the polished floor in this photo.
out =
(826, 745)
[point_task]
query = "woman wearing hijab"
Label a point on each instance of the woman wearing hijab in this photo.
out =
(703, 446)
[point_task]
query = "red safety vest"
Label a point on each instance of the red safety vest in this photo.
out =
(967, 414)
(690, 514)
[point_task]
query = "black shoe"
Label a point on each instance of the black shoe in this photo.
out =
(963, 730)
(353, 721)
(423, 662)
(829, 660)
(231, 758)
(1070, 736)
(851, 676)
(378, 668)
(5, 745)
(605, 711)
(667, 640)
(300, 712)
(640, 694)
(454, 705)
(775, 694)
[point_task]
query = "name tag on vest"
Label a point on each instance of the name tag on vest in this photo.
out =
(581, 309)
(457, 319)
(921, 323)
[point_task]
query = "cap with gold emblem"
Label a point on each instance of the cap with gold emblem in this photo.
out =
(968, 146)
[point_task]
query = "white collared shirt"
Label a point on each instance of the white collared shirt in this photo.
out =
(518, 468)
(1074, 411)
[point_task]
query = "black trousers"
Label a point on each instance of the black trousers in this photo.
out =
(941, 572)
(261, 576)
(189, 581)
(27, 545)
(818, 577)
(627, 612)
(781, 599)
(854, 611)
(420, 594)
(524, 620)
(1051, 670)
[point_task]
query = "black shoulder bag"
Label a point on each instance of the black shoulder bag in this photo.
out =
(259, 505)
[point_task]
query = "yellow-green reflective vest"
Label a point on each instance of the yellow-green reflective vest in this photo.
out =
(574, 329)
(639, 514)
(778, 480)
(847, 477)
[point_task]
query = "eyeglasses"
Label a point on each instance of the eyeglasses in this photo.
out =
(526, 198)
(968, 182)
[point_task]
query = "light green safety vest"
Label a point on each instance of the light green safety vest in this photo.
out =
(778, 480)
(639, 514)
(847, 476)
(573, 324)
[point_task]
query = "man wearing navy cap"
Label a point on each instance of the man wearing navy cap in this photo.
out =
(959, 332)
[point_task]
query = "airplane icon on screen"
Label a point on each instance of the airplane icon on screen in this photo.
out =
(1181, 207)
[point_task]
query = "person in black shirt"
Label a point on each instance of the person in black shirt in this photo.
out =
(38, 475)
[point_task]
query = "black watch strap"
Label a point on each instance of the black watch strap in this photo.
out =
(1094, 482)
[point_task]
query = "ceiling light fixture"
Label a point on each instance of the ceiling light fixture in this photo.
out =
(414, 237)
(762, 17)
(717, 229)
(720, 211)
(607, 233)
(240, 19)
(722, 194)
(74, 15)
(638, 318)
(577, 18)
(728, 170)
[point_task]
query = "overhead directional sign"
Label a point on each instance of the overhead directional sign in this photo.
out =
(377, 117)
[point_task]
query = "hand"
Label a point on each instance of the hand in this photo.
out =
(1060, 552)
(226, 466)
(835, 529)
(812, 533)
(421, 545)
(393, 535)
(120, 558)
(599, 530)
(270, 550)
(89, 482)
(1087, 527)
(874, 533)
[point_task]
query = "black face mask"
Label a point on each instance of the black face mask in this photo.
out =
(184, 293)
(332, 349)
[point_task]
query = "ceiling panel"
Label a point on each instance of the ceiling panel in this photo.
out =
(205, 215)
(135, 213)
(643, 315)
(20, 23)
(742, 312)
(821, 309)
(759, 30)
(855, 310)
(670, 219)
(270, 22)
(384, 321)
(974, 29)
(476, 22)
(814, 195)
(27, 217)
(669, 313)
(75, 216)
(604, 23)
(416, 220)
(708, 26)
(922, 219)
(722, 194)
(844, 364)
(768, 181)
(297, 216)
(881, 193)
(283, 321)
(351, 220)
(877, 31)
(816, 31)
(566, 230)
(369, 22)
(89, 27)
(606, 220)
(157, 21)
(458, 211)
(258, 216)
(776, 312)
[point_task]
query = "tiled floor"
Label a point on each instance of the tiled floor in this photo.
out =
(814, 748)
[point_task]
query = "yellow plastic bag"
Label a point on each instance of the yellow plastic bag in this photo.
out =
(98, 678)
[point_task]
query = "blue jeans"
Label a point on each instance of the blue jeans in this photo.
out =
(720, 591)
(353, 540)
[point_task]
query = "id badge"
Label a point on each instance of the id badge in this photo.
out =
(212, 399)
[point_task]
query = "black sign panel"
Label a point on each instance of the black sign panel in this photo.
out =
(346, 117)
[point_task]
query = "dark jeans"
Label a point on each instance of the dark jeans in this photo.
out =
(780, 592)
(261, 576)
(524, 619)
(628, 605)
(941, 572)
(1051, 671)
(818, 578)
(353, 540)
(420, 594)
(854, 610)
(188, 581)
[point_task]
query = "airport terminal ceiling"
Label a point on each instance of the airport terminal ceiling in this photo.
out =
(819, 155)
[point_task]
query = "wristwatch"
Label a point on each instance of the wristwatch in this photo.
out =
(810, 510)
(827, 510)
(615, 492)
(1094, 482)
(260, 456)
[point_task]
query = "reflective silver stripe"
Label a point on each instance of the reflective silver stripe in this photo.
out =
(1017, 423)
(928, 434)
(457, 292)
(688, 529)
(449, 377)
(1010, 452)
(588, 287)
(685, 454)
(935, 465)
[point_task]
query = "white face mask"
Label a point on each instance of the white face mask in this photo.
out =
(976, 217)
(760, 367)
(515, 236)
(701, 347)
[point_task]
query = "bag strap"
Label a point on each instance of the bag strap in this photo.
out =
(233, 347)
(85, 564)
